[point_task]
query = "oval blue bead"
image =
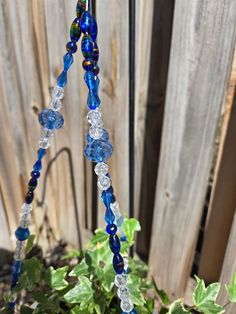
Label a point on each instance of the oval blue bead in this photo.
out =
(71, 46)
(75, 31)
(111, 229)
(92, 81)
(62, 79)
(118, 263)
(51, 119)
(86, 23)
(87, 46)
(41, 152)
(80, 7)
(37, 166)
(68, 60)
(93, 101)
(22, 233)
(94, 30)
(114, 243)
(16, 269)
(98, 151)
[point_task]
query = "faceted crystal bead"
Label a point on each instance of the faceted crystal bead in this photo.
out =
(44, 142)
(80, 8)
(126, 305)
(62, 79)
(75, 31)
(20, 250)
(95, 117)
(95, 132)
(114, 243)
(123, 293)
(104, 183)
(38, 165)
(108, 197)
(22, 233)
(118, 263)
(26, 208)
(101, 169)
(41, 153)
(119, 220)
(93, 101)
(56, 104)
(111, 229)
(87, 46)
(126, 263)
(58, 92)
(92, 81)
(121, 280)
(71, 46)
(16, 269)
(115, 208)
(86, 23)
(67, 60)
(51, 119)
(24, 223)
(98, 150)
(109, 216)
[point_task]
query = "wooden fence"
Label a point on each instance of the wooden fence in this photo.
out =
(185, 129)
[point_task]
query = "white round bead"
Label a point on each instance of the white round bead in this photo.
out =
(101, 169)
(104, 183)
(58, 92)
(95, 132)
(56, 104)
(123, 293)
(95, 117)
(20, 250)
(44, 142)
(47, 133)
(121, 280)
(126, 305)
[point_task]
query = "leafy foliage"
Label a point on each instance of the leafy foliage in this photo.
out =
(231, 289)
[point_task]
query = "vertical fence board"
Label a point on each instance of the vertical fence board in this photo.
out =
(203, 41)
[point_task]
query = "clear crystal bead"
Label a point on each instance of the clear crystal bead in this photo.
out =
(20, 250)
(95, 132)
(58, 92)
(126, 262)
(95, 117)
(56, 104)
(123, 293)
(24, 223)
(126, 305)
(121, 280)
(104, 183)
(47, 133)
(101, 169)
(44, 142)
(115, 208)
(26, 208)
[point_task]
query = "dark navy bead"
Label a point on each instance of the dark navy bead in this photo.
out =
(80, 8)
(37, 166)
(41, 153)
(87, 46)
(75, 31)
(35, 174)
(16, 269)
(11, 305)
(68, 60)
(86, 23)
(118, 263)
(71, 46)
(114, 243)
(109, 216)
(51, 119)
(29, 197)
(88, 65)
(95, 69)
(22, 234)
(92, 81)
(111, 229)
(123, 238)
(95, 54)
(93, 101)
(32, 184)
(94, 30)
(62, 79)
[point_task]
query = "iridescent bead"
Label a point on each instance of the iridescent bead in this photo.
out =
(123, 293)
(95, 132)
(121, 281)
(37, 166)
(111, 229)
(101, 168)
(93, 101)
(58, 92)
(95, 54)
(67, 60)
(87, 46)
(118, 263)
(114, 243)
(80, 8)
(51, 119)
(62, 79)
(32, 184)
(95, 69)
(104, 183)
(71, 46)
(41, 153)
(94, 30)
(22, 233)
(29, 196)
(75, 31)
(88, 65)
(94, 117)
(126, 305)
(92, 81)
(86, 23)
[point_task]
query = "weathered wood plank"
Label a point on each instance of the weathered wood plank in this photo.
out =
(202, 48)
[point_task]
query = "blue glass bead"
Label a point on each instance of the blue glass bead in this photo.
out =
(98, 150)
(120, 221)
(35, 174)
(108, 197)
(37, 166)
(80, 8)
(32, 184)
(29, 197)
(86, 23)
(41, 153)
(111, 229)
(88, 65)
(118, 263)
(109, 216)
(71, 46)
(123, 238)
(62, 79)
(11, 305)
(95, 69)
(87, 46)
(105, 135)
(68, 60)
(22, 233)
(92, 81)
(51, 119)
(94, 30)
(16, 269)
(75, 31)
(93, 101)
(114, 243)
(95, 53)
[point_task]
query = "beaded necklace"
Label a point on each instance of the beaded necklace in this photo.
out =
(98, 149)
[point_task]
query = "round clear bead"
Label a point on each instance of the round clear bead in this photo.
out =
(101, 169)
(58, 92)
(123, 293)
(26, 208)
(126, 305)
(56, 104)
(95, 117)
(47, 133)
(95, 132)
(44, 142)
(104, 183)
(115, 208)
(121, 280)
(24, 223)
(20, 250)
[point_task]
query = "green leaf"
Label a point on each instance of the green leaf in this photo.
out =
(82, 293)
(204, 298)
(108, 277)
(135, 293)
(26, 310)
(231, 289)
(30, 243)
(72, 254)
(99, 237)
(130, 226)
(177, 308)
(80, 269)
(56, 277)
(161, 293)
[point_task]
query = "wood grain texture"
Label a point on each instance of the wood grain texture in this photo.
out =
(223, 197)
(202, 48)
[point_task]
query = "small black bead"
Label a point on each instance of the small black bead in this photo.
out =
(29, 196)
(32, 184)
